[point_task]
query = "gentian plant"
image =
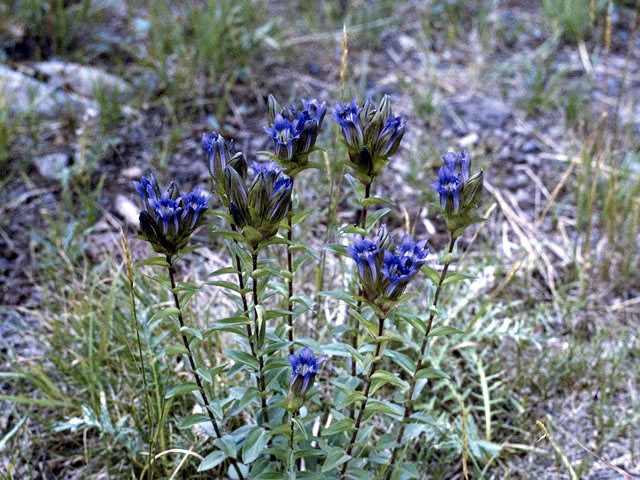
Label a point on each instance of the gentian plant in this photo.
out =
(281, 404)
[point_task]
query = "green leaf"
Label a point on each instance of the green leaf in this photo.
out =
(378, 199)
(335, 458)
(432, 274)
(228, 445)
(212, 460)
(431, 372)
(340, 295)
(456, 277)
(382, 377)
(385, 408)
(254, 444)
(181, 389)
(375, 216)
(344, 425)
(205, 374)
(157, 261)
(194, 332)
(301, 216)
(336, 248)
(442, 330)
(176, 350)
(404, 361)
(165, 312)
(244, 358)
(223, 271)
(194, 419)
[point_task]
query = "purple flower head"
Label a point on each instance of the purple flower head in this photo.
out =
(270, 170)
(449, 186)
(413, 254)
(367, 255)
(305, 368)
(388, 141)
(166, 211)
(348, 117)
(194, 203)
(283, 133)
(218, 153)
(168, 219)
(294, 131)
(458, 164)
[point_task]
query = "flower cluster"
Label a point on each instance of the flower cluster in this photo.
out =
(220, 154)
(459, 192)
(258, 210)
(385, 272)
(294, 132)
(169, 218)
(305, 367)
(371, 135)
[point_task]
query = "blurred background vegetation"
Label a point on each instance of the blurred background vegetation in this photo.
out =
(544, 94)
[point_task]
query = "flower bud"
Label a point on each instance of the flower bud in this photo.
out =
(168, 219)
(239, 164)
(304, 370)
(472, 191)
(273, 108)
(218, 154)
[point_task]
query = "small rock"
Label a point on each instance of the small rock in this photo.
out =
(468, 140)
(117, 7)
(83, 79)
(530, 146)
(132, 173)
(127, 210)
(24, 94)
(51, 166)
(488, 112)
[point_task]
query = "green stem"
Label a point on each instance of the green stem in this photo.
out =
(292, 448)
(412, 385)
(192, 363)
(261, 383)
(354, 337)
(374, 367)
(290, 269)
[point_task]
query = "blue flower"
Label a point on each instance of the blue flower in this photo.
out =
(458, 191)
(259, 209)
(305, 368)
(449, 186)
(194, 202)
(283, 132)
(348, 117)
(218, 153)
(388, 141)
(294, 132)
(385, 273)
(372, 135)
(166, 211)
(168, 219)
(367, 256)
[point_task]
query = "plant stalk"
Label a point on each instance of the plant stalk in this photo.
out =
(412, 385)
(192, 363)
(261, 383)
(374, 367)
(290, 281)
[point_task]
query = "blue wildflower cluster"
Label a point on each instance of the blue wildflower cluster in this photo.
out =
(372, 135)
(221, 153)
(304, 370)
(457, 191)
(169, 218)
(258, 210)
(294, 131)
(385, 272)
